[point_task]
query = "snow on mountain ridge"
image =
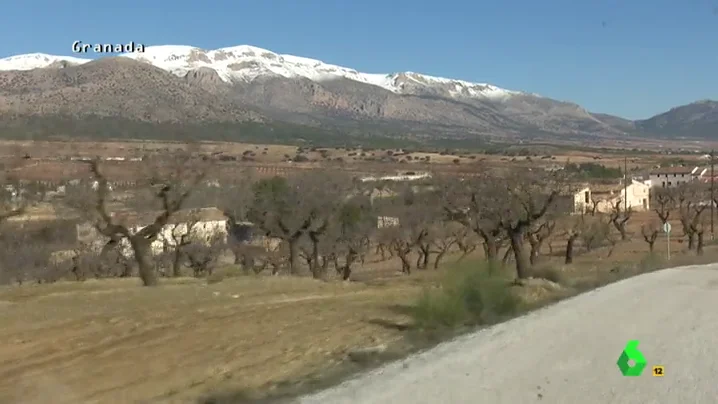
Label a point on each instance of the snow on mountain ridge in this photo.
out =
(36, 60)
(247, 63)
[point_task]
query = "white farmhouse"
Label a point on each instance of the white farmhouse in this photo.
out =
(668, 177)
(635, 196)
(401, 177)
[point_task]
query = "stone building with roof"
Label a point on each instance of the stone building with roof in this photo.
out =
(669, 177)
(603, 198)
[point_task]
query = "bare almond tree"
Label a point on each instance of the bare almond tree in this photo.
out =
(466, 241)
(591, 231)
(592, 209)
(691, 202)
(597, 232)
(21, 256)
(172, 183)
(181, 236)
(416, 209)
(524, 201)
(24, 257)
(537, 235)
(663, 200)
(649, 231)
(473, 203)
(354, 225)
(698, 226)
(383, 244)
(298, 206)
(234, 198)
(16, 196)
(202, 255)
(444, 236)
(572, 234)
(620, 217)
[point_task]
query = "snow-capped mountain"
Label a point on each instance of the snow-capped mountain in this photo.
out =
(38, 60)
(246, 63)
(283, 88)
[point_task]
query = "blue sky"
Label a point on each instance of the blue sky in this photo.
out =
(632, 58)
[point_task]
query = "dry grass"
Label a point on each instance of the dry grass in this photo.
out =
(45, 167)
(112, 341)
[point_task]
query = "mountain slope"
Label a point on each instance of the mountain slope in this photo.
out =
(698, 119)
(113, 87)
(227, 84)
(291, 86)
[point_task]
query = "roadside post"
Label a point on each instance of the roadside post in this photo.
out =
(667, 230)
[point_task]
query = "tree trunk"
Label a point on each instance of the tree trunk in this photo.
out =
(347, 268)
(315, 267)
(177, 263)
(650, 245)
(335, 262)
(422, 262)
(142, 251)
(569, 248)
(247, 263)
(405, 265)
(534, 254)
(383, 249)
(439, 256)
(691, 240)
(507, 255)
(522, 264)
(699, 246)
(293, 254)
(621, 227)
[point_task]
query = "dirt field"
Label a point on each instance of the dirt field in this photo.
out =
(48, 160)
(115, 342)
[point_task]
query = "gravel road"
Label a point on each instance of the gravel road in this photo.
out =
(567, 353)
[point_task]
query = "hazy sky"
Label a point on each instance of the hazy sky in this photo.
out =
(632, 58)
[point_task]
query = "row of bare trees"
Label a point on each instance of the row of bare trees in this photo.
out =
(327, 219)
(322, 218)
(690, 204)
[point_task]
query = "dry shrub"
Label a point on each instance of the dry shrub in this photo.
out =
(471, 293)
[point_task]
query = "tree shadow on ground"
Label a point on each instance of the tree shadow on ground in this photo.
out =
(401, 309)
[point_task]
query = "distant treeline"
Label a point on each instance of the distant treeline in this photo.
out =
(367, 135)
(593, 171)
(116, 128)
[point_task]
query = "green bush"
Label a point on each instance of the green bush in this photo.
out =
(471, 293)
(593, 170)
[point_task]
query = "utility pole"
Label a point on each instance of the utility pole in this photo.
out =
(712, 199)
(625, 184)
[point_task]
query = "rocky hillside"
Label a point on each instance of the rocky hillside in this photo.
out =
(116, 87)
(698, 120)
(245, 83)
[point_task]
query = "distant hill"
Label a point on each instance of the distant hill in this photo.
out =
(695, 120)
(233, 89)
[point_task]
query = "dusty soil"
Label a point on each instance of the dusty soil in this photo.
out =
(115, 342)
(46, 162)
